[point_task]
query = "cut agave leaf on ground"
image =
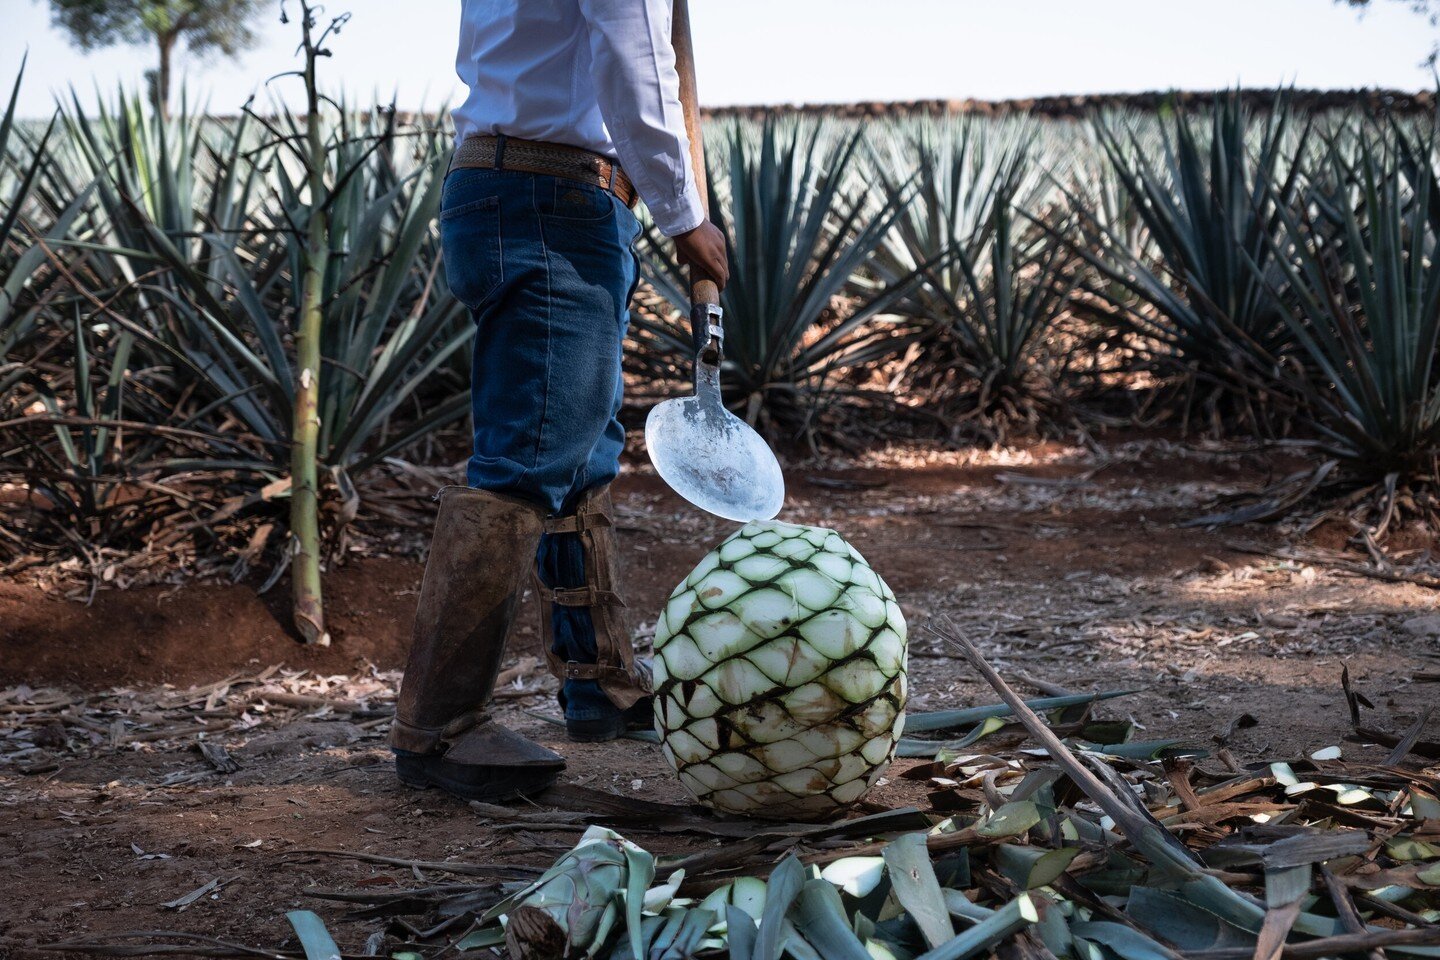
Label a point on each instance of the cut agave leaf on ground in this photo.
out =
(739, 933)
(913, 748)
(1424, 806)
(1032, 867)
(1106, 732)
(1293, 851)
(963, 908)
(939, 720)
(1127, 942)
(796, 946)
(912, 878)
(1185, 925)
(1286, 885)
(479, 939)
(857, 876)
(1053, 930)
(819, 915)
(640, 870)
(784, 886)
(745, 893)
(314, 938)
(1011, 820)
(996, 928)
(1408, 848)
(690, 937)
(1146, 750)
(657, 898)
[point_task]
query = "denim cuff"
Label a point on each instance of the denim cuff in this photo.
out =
(584, 700)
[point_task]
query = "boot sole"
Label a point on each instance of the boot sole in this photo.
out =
(498, 788)
(596, 731)
(603, 731)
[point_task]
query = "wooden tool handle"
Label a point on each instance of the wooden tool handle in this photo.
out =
(702, 288)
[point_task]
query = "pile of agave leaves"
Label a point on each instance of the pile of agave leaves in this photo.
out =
(1068, 850)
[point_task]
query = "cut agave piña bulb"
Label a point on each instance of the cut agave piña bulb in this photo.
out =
(780, 674)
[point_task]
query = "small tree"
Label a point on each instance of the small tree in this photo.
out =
(203, 25)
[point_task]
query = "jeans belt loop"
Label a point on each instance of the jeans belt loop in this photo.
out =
(500, 151)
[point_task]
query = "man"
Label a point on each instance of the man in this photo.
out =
(573, 109)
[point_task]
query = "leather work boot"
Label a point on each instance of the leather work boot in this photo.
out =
(442, 735)
(626, 703)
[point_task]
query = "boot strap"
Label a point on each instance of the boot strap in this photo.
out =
(576, 523)
(619, 676)
(587, 596)
(575, 670)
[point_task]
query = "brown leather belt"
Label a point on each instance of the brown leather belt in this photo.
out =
(551, 159)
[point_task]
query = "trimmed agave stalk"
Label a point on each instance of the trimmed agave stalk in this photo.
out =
(308, 600)
(780, 674)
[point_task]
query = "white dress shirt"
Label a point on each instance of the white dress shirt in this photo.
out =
(598, 74)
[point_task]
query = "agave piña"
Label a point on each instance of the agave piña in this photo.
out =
(780, 674)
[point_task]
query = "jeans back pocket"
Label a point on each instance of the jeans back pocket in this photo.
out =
(470, 240)
(569, 201)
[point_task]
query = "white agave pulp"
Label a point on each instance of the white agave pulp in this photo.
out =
(780, 674)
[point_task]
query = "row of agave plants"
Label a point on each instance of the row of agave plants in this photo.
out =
(1270, 275)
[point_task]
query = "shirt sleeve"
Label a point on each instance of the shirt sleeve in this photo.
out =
(639, 95)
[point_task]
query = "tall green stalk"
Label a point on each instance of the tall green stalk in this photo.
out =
(308, 600)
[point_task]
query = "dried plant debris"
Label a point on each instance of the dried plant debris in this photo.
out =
(1080, 845)
(42, 728)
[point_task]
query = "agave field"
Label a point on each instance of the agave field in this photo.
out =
(1259, 274)
(229, 353)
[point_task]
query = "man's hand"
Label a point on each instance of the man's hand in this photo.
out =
(704, 249)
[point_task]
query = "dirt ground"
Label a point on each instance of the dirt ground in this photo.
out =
(1065, 565)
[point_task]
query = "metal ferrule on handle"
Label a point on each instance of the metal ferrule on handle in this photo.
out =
(704, 452)
(707, 331)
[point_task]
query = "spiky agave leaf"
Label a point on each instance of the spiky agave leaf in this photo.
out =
(18, 175)
(1006, 310)
(800, 226)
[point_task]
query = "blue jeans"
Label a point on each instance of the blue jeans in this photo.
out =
(547, 268)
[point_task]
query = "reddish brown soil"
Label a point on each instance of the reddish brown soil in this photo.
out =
(1082, 580)
(201, 632)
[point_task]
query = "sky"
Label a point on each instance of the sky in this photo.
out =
(802, 51)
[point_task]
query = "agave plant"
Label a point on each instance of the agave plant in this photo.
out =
(182, 236)
(1209, 209)
(800, 225)
(992, 286)
(1364, 294)
(1006, 311)
(95, 440)
(390, 321)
